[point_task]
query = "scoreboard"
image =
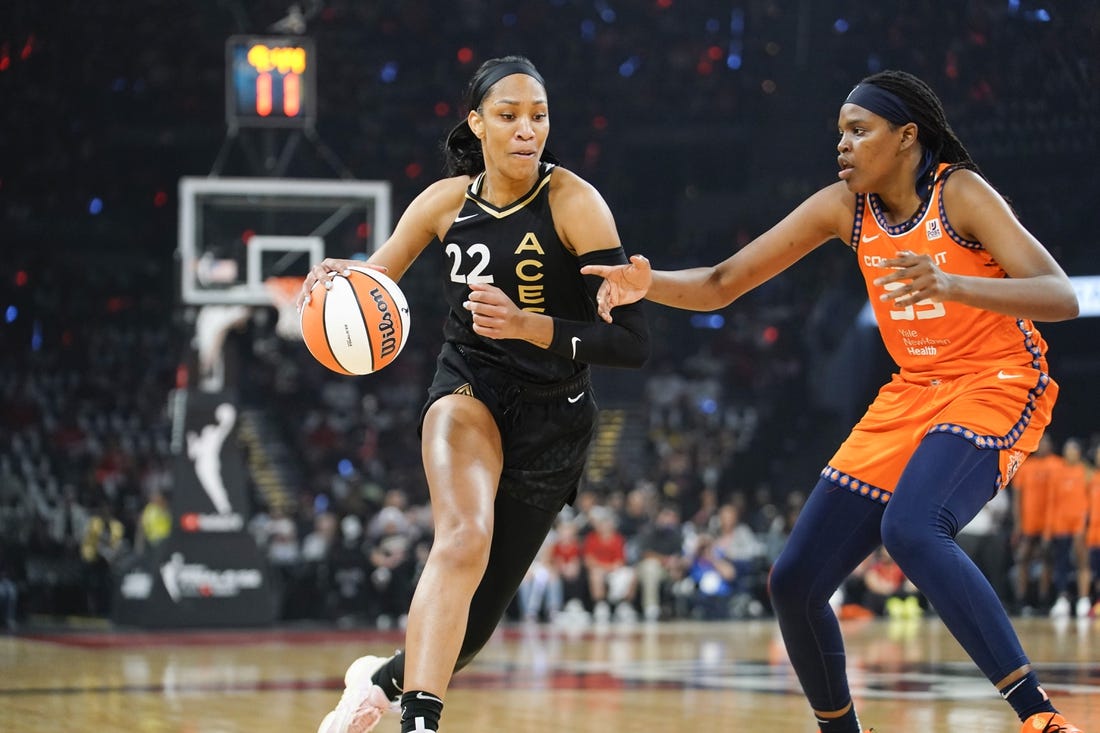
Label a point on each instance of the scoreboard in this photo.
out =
(270, 81)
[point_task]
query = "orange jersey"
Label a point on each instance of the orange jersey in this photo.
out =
(1092, 539)
(1032, 484)
(963, 370)
(1068, 500)
(928, 340)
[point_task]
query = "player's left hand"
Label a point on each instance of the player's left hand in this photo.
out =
(621, 284)
(495, 315)
(918, 278)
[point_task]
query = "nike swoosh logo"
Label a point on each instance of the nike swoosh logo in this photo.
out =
(574, 400)
(575, 340)
(1012, 689)
(464, 218)
(433, 698)
(865, 237)
(1002, 375)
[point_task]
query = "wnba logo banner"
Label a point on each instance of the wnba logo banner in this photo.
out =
(208, 468)
(196, 580)
(183, 579)
(209, 572)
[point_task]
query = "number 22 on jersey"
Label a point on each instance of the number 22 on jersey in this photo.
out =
(477, 253)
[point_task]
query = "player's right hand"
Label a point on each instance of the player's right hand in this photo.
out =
(324, 271)
(622, 284)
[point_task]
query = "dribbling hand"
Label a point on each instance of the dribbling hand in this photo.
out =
(622, 284)
(324, 271)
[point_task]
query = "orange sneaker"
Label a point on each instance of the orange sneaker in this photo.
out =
(1049, 723)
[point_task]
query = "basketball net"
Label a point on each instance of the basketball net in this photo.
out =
(283, 292)
(211, 326)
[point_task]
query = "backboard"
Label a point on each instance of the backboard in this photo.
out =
(235, 233)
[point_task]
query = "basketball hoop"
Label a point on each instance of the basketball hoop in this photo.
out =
(283, 292)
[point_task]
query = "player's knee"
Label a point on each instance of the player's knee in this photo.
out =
(786, 586)
(907, 539)
(463, 547)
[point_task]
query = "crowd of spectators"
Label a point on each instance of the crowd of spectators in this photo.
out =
(97, 133)
(85, 479)
(611, 557)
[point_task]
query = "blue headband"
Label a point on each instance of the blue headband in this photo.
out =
(883, 103)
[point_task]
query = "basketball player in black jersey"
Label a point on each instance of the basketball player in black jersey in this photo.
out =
(510, 413)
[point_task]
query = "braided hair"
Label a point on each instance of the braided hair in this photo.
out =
(462, 149)
(933, 131)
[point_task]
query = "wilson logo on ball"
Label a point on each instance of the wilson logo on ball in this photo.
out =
(385, 326)
(359, 325)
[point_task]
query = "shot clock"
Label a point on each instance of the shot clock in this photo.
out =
(270, 81)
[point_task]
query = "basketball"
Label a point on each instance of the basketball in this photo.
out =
(359, 325)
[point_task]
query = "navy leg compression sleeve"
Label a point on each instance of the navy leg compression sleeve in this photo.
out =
(835, 531)
(942, 488)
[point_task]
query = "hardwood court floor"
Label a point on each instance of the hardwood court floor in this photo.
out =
(908, 677)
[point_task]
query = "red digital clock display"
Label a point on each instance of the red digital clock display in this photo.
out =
(270, 81)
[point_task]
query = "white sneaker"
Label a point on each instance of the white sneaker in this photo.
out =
(363, 702)
(602, 612)
(1060, 609)
(625, 613)
(1084, 606)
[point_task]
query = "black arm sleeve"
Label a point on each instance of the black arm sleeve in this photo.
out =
(624, 343)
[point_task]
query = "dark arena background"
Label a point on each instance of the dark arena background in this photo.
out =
(201, 526)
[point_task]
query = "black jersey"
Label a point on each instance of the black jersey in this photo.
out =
(517, 249)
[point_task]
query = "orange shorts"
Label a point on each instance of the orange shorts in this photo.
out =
(1033, 508)
(1093, 537)
(993, 413)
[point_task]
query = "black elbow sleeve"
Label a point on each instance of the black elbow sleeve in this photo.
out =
(623, 343)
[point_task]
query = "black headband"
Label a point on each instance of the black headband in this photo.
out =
(498, 72)
(461, 134)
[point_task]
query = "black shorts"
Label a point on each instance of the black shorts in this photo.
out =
(545, 429)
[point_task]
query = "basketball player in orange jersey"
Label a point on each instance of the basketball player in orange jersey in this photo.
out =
(1030, 501)
(1092, 531)
(955, 281)
(510, 413)
(1065, 530)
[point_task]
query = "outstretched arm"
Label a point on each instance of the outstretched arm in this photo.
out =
(826, 214)
(427, 217)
